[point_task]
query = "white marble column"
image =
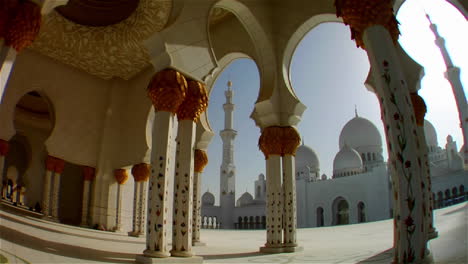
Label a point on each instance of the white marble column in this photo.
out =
(121, 177)
(4, 146)
(136, 210)
(58, 170)
(50, 167)
(156, 233)
(274, 210)
(402, 143)
(183, 190)
(142, 207)
(88, 177)
(196, 223)
(290, 215)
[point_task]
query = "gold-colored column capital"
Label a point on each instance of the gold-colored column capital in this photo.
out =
(420, 108)
(89, 173)
(361, 14)
(141, 172)
(270, 141)
(167, 90)
(291, 140)
(195, 102)
(201, 159)
(50, 163)
(121, 176)
(278, 140)
(20, 22)
(4, 147)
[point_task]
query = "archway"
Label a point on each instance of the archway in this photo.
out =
(361, 207)
(319, 214)
(340, 211)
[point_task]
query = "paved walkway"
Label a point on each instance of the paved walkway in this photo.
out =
(31, 240)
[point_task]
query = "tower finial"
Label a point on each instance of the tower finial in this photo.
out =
(229, 85)
(355, 111)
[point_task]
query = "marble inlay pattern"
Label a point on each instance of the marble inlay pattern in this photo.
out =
(107, 52)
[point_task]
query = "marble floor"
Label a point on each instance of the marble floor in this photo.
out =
(26, 239)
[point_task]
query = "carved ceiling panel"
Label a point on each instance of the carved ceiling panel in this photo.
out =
(109, 51)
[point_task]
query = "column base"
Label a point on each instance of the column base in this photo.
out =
(290, 249)
(155, 254)
(198, 244)
(136, 234)
(432, 234)
(148, 260)
(183, 254)
(271, 249)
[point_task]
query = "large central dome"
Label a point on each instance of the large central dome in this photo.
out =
(360, 134)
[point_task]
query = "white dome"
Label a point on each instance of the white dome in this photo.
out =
(306, 156)
(361, 135)
(261, 177)
(346, 159)
(431, 134)
(208, 199)
(245, 199)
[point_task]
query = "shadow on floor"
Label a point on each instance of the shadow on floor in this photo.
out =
(56, 248)
(235, 255)
(457, 210)
(383, 257)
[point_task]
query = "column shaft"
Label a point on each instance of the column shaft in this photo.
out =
(402, 142)
(136, 209)
(183, 190)
(289, 188)
(274, 210)
(85, 206)
(142, 207)
(46, 193)
(118, 217)
(156, 234)
(196, 207)
(55, 196)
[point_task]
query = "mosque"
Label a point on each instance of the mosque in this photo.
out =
(103, 123)
(360, 174)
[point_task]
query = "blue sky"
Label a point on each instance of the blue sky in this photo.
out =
(328, 74)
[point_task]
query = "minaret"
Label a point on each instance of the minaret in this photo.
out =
(228, 169)
(453, 76)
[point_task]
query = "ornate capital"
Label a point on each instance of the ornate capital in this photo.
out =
(419, 107)
(89, 173)
(361, 14)
(201, 159)
(4, 147)
(121, 176)
(59, 165)
(290, 140)
(276, 140)
(21, 27)
(195, 102)
(141, 172)
(50, 163)
(167, 90)
(270, 141)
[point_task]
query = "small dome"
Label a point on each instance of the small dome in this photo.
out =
(306, 156)
(431, 134)
(261, 177)
(360, 134)
(347, 158)
(208, 199)
(245, 199)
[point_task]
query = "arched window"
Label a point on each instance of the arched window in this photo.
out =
(239, 220)
(263, 222)
(462, 192)
(361, 212)
(251, 222)
(447, 197)
(440, 199)
(368, 156)
(363, 157)
(454, 194)
(373, 156)
(320, 221)
(257, 222)
(258, 191)
(340, 211)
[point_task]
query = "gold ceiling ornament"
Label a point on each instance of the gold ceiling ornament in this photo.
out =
(50, 163)
(59, 165)
(6, 7)
(201, 160)
(290, 140)
(111, 51)
(22, 25)
(361, 14)
(121, 176)
(89, 173)
(195, 102)
(167, 90)
(4, 147)
(270, 142)
(141, 172)
(420, 108)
